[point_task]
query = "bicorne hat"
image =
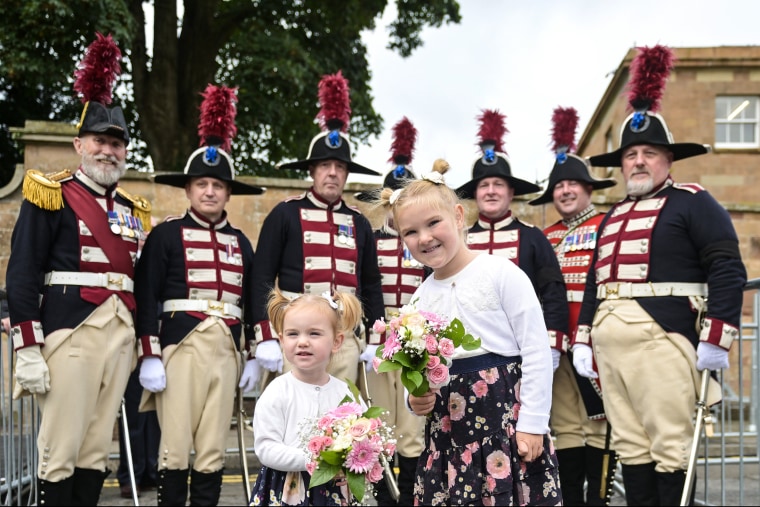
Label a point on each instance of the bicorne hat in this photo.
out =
(333, 116)
(94, 80)
(649, 72)
(216, 130)
(494, 161)
(567, 166)
(402, 152)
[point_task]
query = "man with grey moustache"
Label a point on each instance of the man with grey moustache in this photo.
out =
(70, 287)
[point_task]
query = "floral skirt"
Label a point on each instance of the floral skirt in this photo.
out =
(273, 487)
(470, 454)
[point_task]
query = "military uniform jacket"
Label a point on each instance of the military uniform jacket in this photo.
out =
(190, 258)
(401, 274)
(677, 234)
(310, 246)
(76, 238)
(527, 247)
(574, 242)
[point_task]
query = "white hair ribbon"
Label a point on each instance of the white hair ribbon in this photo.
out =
(330, 300)
(394, 196)
(434, 177)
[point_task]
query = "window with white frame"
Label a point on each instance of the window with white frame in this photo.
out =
(736, 121)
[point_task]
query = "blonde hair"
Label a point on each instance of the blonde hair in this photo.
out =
(343, 308)
(430, 191)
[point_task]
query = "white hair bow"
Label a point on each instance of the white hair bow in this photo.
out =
(434, 177)
(330, 300)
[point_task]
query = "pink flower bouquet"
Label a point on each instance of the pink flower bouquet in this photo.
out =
(421, 345)
(349, 442)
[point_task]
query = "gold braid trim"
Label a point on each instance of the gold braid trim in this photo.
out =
(44, 190)
(141, 207)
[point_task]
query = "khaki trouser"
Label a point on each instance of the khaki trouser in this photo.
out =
(195, 409)
(387, 391)
(569, 420)
(89, 368)
(650, 386)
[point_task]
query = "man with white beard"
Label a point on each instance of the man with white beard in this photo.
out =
(645, 312)
(70, 293)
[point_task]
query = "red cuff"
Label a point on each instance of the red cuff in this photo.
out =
(582, 335)
(263, 331)
(718, 333)
(559, 340)
(27, 333)
(148, 346)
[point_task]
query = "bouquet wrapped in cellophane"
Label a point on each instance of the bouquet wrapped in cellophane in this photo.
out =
(421, 345)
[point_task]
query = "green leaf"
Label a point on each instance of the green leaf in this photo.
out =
(374, 412)
(387, 366)
(405, 359)
(470, 343)
(356, 483)
(415, 382)
(323, 473)
(332, 457)
(354, 390)
(455, 331)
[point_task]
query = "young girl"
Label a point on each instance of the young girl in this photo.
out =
(487, 434)
(311, 328)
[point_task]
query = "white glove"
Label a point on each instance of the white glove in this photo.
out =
(153, 374)
(711, 357)
(250, 375)
(32, 372)
(583, 361)
(556, 354)
(269, 355)
(368, 355)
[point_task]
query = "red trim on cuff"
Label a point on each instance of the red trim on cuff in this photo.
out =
(582, 335)
(263, 331)
(718, 332)
(27, 333)
(559, 340)
(148, 346)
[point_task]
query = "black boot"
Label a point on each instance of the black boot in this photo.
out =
(670, 486)
(640, 483)
(594, 469)
(407, 475)
(572, 474)
(87, 486)
(54, 493)
(172, 487)
(205, 488)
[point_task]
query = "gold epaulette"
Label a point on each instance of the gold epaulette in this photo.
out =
(44, 190)
(141, 208)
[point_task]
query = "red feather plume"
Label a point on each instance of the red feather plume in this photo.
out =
(492, 128)
(649, 72)
(564, 124)
(98, 70)
(218, 111)
(334, 102)
(404, 139)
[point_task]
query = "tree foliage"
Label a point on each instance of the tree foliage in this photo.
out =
(274, 51)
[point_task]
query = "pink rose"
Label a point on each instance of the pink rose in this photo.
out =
(431, 344)
(360, 428)
(446, 347)
(310, 467)
(438, 376)
(376, 473)
(433, 361)
(376, 362)
(379, 326)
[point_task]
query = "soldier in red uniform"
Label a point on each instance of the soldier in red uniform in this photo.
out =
(193, 287)
(659, 253)
(70, 292)
(315, 242)
(401, 275)
(497, 231)
(577, 415)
